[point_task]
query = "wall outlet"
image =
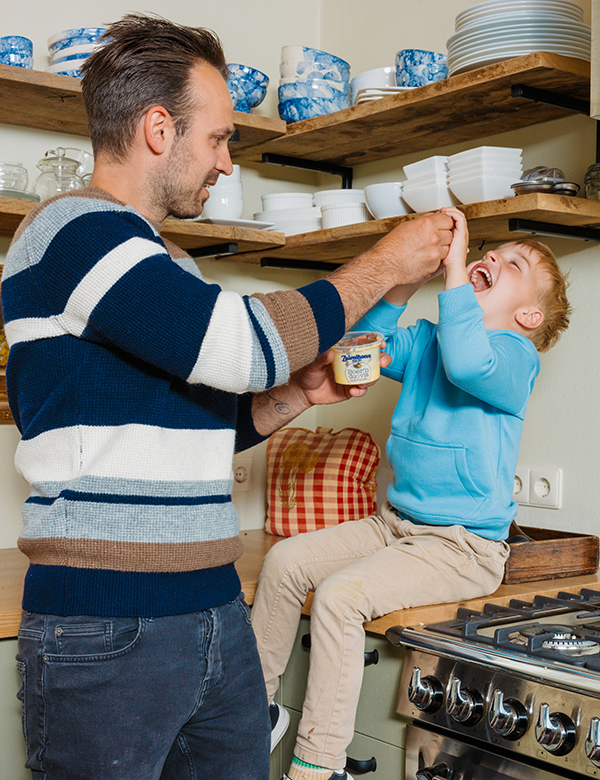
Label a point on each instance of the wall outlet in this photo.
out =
(242, 474)
(545, 488)
(521, 486)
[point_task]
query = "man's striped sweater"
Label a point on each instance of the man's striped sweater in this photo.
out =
(131, 379)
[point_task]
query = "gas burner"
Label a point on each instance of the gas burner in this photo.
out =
(556, 638)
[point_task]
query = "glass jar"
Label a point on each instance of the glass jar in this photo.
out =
(58, 174)
(13, 176)
(592, 182)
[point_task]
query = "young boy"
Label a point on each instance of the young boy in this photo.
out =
(453, 448)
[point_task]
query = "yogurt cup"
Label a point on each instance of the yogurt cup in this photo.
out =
(356, 360)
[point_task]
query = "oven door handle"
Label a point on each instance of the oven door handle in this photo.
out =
(435, 772)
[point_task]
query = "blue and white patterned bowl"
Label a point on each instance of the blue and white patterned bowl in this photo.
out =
(417, 67)
(248, 85)
(302, 70)
(311, 60)
(78, 36)
(73, 53)
(297, 109)
(68, 68)
(314, 88)
(16, 50)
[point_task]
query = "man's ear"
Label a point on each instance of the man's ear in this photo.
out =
(530, 319)
(159, 129)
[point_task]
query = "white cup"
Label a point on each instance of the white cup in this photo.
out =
(384, 199)
(234, 189)
(224, 206)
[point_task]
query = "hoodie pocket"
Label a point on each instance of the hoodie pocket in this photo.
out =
(433, 480)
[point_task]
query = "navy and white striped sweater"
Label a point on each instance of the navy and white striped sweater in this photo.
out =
(130, 379)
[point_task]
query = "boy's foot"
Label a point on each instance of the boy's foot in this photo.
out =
(280, 720)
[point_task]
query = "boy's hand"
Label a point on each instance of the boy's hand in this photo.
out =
(455, 262)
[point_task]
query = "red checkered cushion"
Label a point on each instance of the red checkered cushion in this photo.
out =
(315, 480)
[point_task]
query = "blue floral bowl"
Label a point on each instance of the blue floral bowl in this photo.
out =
(76, 37)
(308, 61)
(297, 109)
(247, 86)
(16, 50)
(315, 88)
(417, 67)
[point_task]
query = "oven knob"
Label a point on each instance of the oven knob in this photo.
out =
(425, 692)
(592, 742)
(555, 731)
(435, 772)
(464, 705)
(507, 717)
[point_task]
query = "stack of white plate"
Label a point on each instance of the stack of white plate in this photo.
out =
(426, 186)
(500, 29)
(484, 173)
(290, 212)
(374, 85)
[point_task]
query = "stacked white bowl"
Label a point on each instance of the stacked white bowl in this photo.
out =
(342, 207)
(312, 83)
(290, 212)
(484, 173)
(374, 85)
(226, 197)
(426, 186)
(69, 49)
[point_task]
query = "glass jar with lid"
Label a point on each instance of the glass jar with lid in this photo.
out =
(58, 174)
(13, 176)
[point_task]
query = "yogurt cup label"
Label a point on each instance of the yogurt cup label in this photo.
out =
(356, 360)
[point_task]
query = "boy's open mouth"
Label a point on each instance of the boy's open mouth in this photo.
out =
(480, 277)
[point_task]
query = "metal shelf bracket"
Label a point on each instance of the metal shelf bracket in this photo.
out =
(550, 229)
(216, 250)
(552, 98)
(311, 165)
(302, 265)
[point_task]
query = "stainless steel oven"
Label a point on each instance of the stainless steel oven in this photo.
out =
(509, 692)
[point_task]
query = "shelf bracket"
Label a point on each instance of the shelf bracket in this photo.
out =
(549, 229)
(216, 250)
(302, 265)
(311, 165)
(552, 98)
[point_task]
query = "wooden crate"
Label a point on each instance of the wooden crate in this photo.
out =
(550, 554)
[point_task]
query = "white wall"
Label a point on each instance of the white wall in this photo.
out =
(562, 428)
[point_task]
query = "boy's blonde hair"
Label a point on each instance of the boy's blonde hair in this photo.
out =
(552, 298)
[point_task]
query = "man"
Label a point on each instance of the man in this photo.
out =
(133, 382)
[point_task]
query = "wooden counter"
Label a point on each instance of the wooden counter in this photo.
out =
(13, 565)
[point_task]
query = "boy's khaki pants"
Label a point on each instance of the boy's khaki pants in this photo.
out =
(359, 571)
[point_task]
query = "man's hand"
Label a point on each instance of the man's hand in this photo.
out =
(411, 253)
(310, 386)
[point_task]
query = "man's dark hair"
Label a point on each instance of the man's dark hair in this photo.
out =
(143, 61)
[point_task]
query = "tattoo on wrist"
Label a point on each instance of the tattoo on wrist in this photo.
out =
(281, 407)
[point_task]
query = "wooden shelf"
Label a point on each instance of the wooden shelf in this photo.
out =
(461, 108)
(33, 98)
(487, 221)
(187, 235)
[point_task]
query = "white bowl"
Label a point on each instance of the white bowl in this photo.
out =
(287, 200)
(325, 197)
(223, 207)
(373, 79)
(486, 169)
(276, 214)
(424, 181)
(485, 153)
(430, 198)
(292, 227)
(431, 166)
(338, 214)
(384, 199)
(479, 188)
(69, 65)
(233, 188)
(235, 176)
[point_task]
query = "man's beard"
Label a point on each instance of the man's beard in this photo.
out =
(169, 191)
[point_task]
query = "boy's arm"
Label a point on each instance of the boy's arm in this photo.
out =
(500, 369)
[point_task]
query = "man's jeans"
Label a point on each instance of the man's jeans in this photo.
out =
(168, 698)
